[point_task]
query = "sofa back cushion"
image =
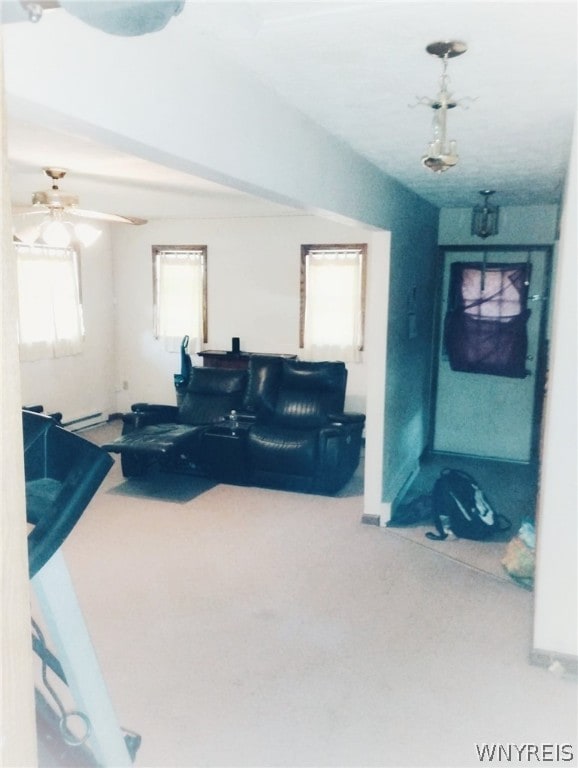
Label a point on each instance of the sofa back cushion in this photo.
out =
(308, 392)
(211, 394)
(263, 384)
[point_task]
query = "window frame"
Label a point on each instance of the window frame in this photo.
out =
(156, 251)
(305, 250)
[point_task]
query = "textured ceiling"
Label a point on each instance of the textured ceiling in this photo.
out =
(357, 69)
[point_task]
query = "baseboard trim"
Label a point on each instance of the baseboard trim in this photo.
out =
(85, 422)
(560, 664)
(406, 485)
(370, 519)
(454, 455)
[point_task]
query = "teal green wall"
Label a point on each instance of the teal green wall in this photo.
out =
(519, 225)
(409, 342)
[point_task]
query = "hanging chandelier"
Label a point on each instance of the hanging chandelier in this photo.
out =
(485, 216)
(442, 153)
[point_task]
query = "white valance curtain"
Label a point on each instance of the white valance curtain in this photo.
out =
(50, 322)
(333, 326)
(179, 298)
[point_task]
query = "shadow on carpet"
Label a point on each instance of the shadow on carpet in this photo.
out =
(355, 487)
(165, 487)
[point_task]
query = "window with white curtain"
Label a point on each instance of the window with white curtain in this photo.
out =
(332, 301)
(50, 322)
(180, 295)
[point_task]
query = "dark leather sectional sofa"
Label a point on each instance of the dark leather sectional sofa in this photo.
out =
(290, 429)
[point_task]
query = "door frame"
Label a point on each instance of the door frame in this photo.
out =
(543, 346)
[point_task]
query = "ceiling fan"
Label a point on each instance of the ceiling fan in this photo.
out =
(56, 206)
(116, 17)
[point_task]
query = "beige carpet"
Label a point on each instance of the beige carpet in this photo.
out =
(484, 556)
(250, 627)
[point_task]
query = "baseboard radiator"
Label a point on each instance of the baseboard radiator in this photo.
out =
(85, 422)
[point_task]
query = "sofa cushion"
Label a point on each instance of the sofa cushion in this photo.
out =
(211, 394)
(264, 378)
(287, 451)
(156, 440)
(309, 392)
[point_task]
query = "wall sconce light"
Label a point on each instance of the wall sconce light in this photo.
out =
(485, 216)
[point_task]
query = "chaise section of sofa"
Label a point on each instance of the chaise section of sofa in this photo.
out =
(170, 436)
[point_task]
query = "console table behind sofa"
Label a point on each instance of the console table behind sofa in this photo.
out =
(234, 360)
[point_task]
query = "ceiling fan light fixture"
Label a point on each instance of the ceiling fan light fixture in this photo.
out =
(125, 17)
(55, 230)
(34, 10)
(28, 235)
(56, 233)
(86, 234)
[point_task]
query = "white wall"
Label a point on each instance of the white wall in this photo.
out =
(195, 119)
(81, 385)
(253, 293)
(555, 619)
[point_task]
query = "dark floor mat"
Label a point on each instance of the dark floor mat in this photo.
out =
(165, 487)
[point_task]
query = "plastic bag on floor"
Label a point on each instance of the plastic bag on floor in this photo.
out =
(520, 558)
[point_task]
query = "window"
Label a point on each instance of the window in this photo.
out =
(332, 301)
(180, 295)
(485, 327)
(50, 322)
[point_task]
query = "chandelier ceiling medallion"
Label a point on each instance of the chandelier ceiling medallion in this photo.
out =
(442, 154)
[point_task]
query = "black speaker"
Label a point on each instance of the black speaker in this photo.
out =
(235, 345)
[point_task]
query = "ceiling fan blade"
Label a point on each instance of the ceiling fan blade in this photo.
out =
(112, 217)
(26, 210)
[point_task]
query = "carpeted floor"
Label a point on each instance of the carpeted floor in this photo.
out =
(253, 628)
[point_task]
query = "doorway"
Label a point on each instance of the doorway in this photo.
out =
(485, 424)
(488, 412)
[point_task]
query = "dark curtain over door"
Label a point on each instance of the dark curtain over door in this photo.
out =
(485, 326)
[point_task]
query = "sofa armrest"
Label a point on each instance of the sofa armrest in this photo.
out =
(171, 411)
(143, 414)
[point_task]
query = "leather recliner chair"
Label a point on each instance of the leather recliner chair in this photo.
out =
(302, 439)
(170, 436)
